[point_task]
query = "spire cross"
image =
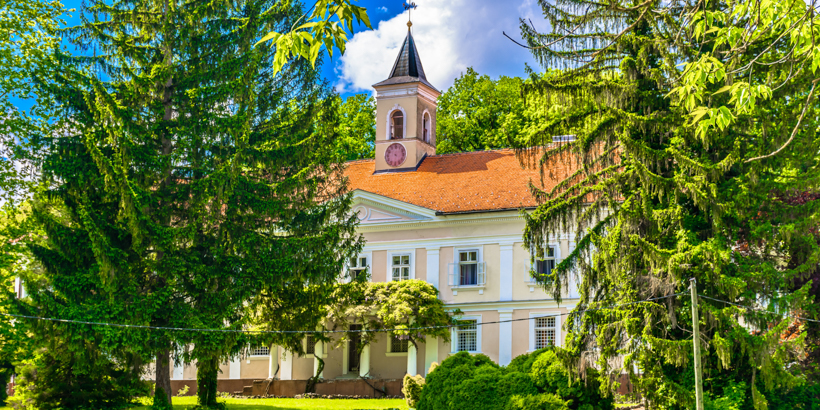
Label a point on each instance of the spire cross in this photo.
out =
(409, 7)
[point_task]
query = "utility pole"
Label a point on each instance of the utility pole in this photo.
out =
(696, 335)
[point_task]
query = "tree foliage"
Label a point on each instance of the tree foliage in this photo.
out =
(326, 25)
(189, 178)
(479, 113)
(29, 33)
(406, 304)
(659, 199)
(357, 127)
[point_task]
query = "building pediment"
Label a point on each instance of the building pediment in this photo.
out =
(378, 209)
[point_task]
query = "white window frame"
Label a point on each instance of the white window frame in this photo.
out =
(305, 345)
(429, 137)
(454, 335)
(530, 281)
(390, 352)
(255, 352)
(390, 124)
(452, 274)
(411, 252)
(559, 340)
(366, 255)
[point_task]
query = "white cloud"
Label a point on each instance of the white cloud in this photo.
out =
(383, 9)
(450, 36)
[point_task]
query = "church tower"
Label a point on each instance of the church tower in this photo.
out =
(405, 113)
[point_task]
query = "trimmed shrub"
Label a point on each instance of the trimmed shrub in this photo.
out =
(533, 381)
(444, 382)
(411, 388)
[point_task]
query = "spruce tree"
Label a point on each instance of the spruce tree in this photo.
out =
(188, 178)
(656, 202)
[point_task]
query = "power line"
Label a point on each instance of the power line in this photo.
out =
(760, 310)
(181, 329)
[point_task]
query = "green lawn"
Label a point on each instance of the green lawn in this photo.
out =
(183, 403)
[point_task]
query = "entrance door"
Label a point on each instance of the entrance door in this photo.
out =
(353, 350)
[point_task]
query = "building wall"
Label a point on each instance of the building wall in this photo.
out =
(495, 235)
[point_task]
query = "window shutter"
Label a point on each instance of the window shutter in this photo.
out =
(482, 273)
(453, 267)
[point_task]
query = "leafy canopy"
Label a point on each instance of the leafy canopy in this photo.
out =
(658, 199)
(326, 25)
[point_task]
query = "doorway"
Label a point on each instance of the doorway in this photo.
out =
(353, 349)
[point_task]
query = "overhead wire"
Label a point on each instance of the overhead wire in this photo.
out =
(383, 330)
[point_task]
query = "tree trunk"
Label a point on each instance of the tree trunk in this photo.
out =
(207, 372)
(310, 387)
(163, 374)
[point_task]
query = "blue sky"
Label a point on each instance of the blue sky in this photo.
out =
(451, 35)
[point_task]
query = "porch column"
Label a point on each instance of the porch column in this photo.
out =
(432, 267)
(506, 271)
(177, 373)
(364, 362)
(411, 359)
(286, 366)
(320, 352)
(430, 353)
(234, 369)
(272, 361)
(505, 337)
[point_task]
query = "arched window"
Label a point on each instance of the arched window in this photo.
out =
(397, 125)
(426, 127)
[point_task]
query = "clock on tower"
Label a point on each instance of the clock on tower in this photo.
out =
(395, 154)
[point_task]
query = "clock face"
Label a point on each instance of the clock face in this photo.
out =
(395, 155)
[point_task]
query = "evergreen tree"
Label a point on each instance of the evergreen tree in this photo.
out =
(189, 178)
(658, 200)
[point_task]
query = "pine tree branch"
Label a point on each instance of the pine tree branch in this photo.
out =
(624, 31)
(796, 127)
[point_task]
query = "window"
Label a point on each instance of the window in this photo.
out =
(396, 125)
(467, 336)
(401, 267)
(310, 345)
(357, 266)
(468, 267)
(543, 267)
(260, 351)
(544, 332)
(467, 270)
(399, 344)
(426, 127)
(563, 138)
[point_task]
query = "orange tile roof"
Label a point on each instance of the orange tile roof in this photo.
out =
(455, 183)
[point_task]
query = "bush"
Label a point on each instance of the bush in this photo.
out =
(183, 391)
(411, 388)
(444, 382)
(161, 400)
(62, 381)
(533, 381)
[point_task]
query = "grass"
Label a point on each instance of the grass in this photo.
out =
(184, 403)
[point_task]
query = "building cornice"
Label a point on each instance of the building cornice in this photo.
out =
(505, 306)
